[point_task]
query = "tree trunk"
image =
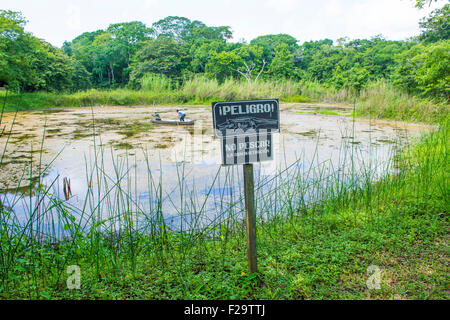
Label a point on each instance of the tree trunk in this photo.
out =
(112, 71)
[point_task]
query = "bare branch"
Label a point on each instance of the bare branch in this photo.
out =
(249, 79)
(260, 71)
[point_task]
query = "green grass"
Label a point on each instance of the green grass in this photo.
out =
(296, 98)
(329, 112)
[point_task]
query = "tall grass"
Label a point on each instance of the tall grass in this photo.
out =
(198, 90)
(382, 100)
(156, 83)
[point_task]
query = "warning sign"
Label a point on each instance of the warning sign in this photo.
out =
(237, 118)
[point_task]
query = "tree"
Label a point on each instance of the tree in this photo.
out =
(245, 60)
(420, 3)
(29, 63)
(271, 41)
(223, 64)
(405, 70)
(129, 35)
(354, 78)
(107, 54)
(282, 65)
(201, 54)
(375, 55)
(433, 76)
(173, 27)
(81, 78)
(303, 55)
(324, 61)
(251, 63)
(199, 33)
(437, 26)
(183, 29)
(424, 69)
(161, 56)
(83, 49)
(14, 44)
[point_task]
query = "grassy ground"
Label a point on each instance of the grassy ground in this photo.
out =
(317, 251)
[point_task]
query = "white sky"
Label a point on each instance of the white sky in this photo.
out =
(58, 20)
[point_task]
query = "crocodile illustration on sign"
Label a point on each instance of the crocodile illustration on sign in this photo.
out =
(245, 123)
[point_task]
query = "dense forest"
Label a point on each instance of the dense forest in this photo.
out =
(176, 48)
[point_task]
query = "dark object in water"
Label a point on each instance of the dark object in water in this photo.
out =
(67, 189)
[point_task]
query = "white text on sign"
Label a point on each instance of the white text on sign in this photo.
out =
(246, 109)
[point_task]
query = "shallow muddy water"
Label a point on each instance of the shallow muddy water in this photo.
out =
(177, 168)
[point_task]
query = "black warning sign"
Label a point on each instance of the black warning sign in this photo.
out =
(247, 117)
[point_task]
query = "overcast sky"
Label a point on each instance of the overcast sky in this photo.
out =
(56, 20)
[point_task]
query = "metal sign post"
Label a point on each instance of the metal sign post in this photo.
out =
(245, 128)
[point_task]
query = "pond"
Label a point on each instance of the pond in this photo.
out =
(115, 160)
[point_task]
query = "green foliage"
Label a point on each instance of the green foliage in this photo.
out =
(319, 251)
(29, 63)
(420, 3)
(251, 62)
(14, 65)
(282, 66)
(172, 27)
(355, 78)
(163, 55)
(107, 55)
(183, 29)
(223, 64)
(437, 26)
(270, 42)
(202, 55)
(424, 69)
(382, 100)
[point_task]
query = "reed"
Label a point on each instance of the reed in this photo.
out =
(382, 100)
